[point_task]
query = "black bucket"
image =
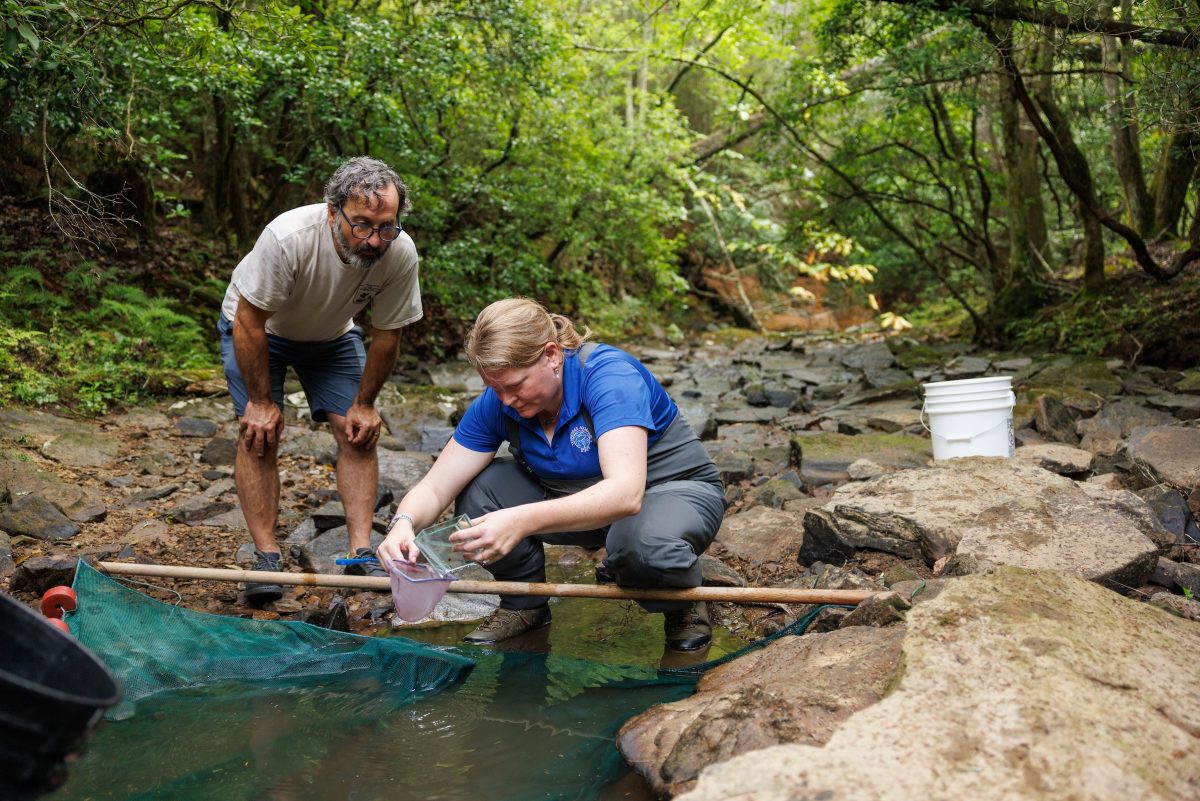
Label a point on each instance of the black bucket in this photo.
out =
(52, 691)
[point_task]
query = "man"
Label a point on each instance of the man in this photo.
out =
(292, 301)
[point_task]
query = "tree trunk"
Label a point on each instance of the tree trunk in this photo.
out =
(1176, 170)
(1122, 125)
(1017, 290)
(1093, 234)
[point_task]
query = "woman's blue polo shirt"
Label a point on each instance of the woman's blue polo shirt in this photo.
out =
(617, 391)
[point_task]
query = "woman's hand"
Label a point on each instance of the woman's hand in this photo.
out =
(399, 544)
(492, 536)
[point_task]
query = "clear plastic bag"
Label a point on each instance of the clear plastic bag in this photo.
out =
(416, 588)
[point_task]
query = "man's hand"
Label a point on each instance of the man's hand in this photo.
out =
(362, 425)
(261, 426)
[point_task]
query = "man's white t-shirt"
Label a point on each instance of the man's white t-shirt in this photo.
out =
(295, 272)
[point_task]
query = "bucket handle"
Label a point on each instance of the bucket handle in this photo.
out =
(967, 438)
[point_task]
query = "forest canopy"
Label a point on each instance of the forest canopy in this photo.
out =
(607, 157)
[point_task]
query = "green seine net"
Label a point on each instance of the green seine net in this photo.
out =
(239, 710)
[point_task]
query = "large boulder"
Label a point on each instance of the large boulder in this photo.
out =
(796, 690)
(1011, 689)
(1006, 505)
(762, 534)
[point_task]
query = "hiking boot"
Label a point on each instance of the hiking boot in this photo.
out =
(257, 592)
(505, 623)
(367, 568)
(688, 629)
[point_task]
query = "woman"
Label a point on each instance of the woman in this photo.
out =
(600, 456)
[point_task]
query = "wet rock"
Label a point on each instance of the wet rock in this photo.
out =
(1054, 420)
(33, 516)
(1170, 453)
(1061, 459)
(334, 617)
(796, 690)
(195, 427)
(1185, 407)
(39, 573)
(762, 535)
(1013, 646)
(219, 451)
(1171, 509)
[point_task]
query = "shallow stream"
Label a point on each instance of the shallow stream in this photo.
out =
(534, 720)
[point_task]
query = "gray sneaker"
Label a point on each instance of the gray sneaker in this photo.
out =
(257, 592)
(688, 629)
(505, 623)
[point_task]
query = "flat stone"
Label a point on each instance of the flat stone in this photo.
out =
(1170, 453)
(197, 509)
(1010, 690)
(33, 516)
(219, 451)
(826, 457)
(195, 427)
(1013, 365)
(876, 355)
(966, 367)
(734, 466)
(1185, 407)
(762, 534)
(79, 504)
(401, 470)
(1061, 459)
(147, 531)
(1058, 530)
(320, 445)
(1077, 374)
(893, 420)
(924, 512)
(1189, 384)
(80, 447)
(777, 491)
(795, 690)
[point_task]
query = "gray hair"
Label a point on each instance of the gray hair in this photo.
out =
(365, 178)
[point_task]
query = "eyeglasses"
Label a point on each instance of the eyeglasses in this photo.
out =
(363, 231)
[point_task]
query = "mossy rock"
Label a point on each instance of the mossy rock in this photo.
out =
(896, 450)
(911, 355)
(1190, 383)
(1080, 374)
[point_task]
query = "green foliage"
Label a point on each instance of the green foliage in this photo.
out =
(92, 344)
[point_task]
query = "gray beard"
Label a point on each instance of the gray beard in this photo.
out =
(353, 258)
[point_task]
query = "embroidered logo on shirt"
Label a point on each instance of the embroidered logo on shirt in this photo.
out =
(581, 438)
(366, 292)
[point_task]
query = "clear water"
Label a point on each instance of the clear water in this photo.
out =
(534, 720)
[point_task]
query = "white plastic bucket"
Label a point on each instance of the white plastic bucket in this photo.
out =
(941, 389)
(970, 428)
(970, 397)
